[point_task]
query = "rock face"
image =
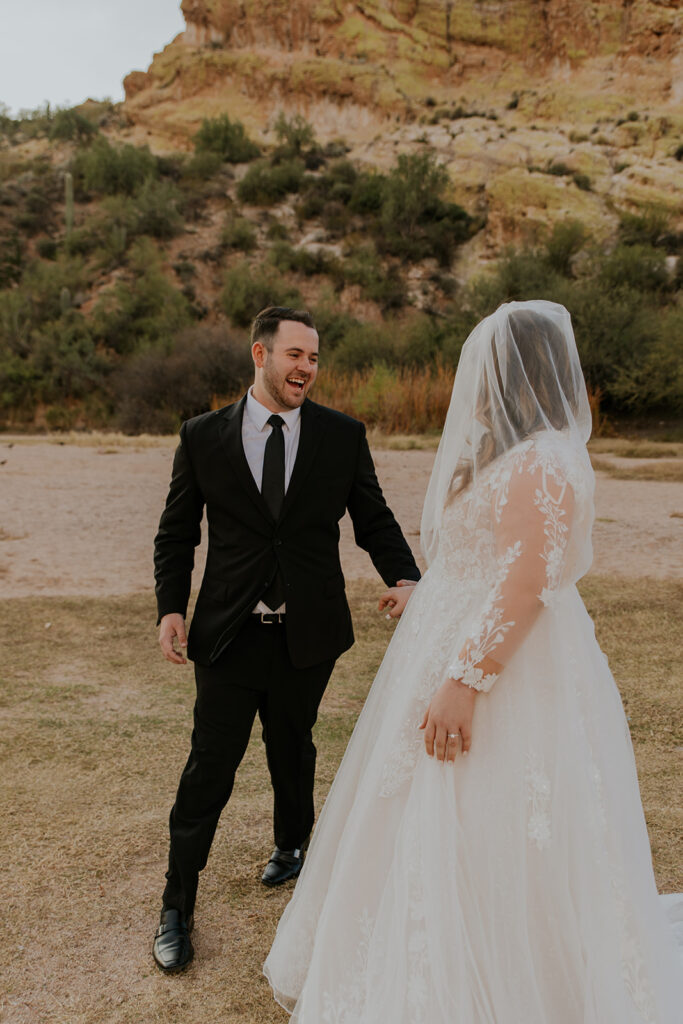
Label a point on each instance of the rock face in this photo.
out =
(596, 85)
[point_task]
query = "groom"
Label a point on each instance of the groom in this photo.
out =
(276, 473)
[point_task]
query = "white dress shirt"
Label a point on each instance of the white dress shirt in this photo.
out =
(255, 432)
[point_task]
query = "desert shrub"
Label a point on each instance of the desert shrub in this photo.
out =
(66, 360)
(108, 234)
(654, 378)
(640, 267)
(384, 286)
(624, 314)
(415, 220)
(567, 238)
(362, 346)
(651, 227)
(238, 233)
(156, 205)
(582, 181)
(142, 310)
(303, 261)
(11, 258)
(332, 323)
(408, 344)
(246, 290)
(226, 139)
(368, 193)
(107, 170)
(47, 248)
(40, 294)
(327, 195)
(295, 135)
(265, 183)
(156, 390)
(559, 169)
(202, 166)
(35, 210)
(71, 125)
(277, 232)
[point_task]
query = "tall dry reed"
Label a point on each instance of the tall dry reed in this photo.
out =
(394, 400)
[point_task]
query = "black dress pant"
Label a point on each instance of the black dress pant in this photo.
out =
(254, 675)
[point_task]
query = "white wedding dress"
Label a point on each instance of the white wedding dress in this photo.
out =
(515, 885)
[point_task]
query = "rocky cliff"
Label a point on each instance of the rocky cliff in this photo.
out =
(502, 90)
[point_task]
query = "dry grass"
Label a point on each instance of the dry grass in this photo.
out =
(109, 442)
(95, 734)
(629, 448)
(664, 470)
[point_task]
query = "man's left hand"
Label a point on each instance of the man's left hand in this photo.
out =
(396, 598)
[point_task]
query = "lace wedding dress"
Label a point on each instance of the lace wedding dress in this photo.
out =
(515, 885)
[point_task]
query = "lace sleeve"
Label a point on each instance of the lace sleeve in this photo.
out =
(531, 522)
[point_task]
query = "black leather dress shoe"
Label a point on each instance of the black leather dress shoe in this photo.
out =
(283, 865)
(172, 948)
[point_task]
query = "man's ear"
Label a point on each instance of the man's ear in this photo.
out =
(258, 353)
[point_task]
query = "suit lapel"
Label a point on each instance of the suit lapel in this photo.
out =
(309, 440)
(231, 437)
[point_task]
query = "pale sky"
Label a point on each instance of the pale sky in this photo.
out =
(65, 51)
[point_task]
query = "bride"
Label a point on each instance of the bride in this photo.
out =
(482, 857)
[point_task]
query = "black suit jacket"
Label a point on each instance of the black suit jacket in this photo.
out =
(333, 471)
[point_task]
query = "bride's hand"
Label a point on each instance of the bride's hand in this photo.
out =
(449, 714)
(395, 600)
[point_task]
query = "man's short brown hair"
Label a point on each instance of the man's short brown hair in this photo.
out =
(265, 324)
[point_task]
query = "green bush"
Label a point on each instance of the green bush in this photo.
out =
(264, 183)
(11, 258)
(247, 290)
(156, 390)
(202, 166)
(238, 233)
(393, 345)
(304, 261)
(277, 232)
(71, 125)
(227, 139)
(156, 205)
(143, 310)
(294, 134)
(66, 359)
(367, 195)
(640, 267)
(384, 286)
(415, 220)
(108, 170)
(567, 239)
(624, 312)
(582, 181)
(651, 227)
(332, 323)
(108, 234)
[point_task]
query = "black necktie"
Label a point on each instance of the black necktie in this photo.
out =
(273, 482)
(273, 491)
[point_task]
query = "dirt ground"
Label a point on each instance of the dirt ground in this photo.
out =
(78, 519)
(94, 728)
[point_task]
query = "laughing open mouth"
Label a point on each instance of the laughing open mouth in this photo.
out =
(297, 382)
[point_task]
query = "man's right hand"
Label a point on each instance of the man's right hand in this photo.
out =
(172, 627)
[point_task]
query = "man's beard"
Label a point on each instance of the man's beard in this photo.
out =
(276, 389)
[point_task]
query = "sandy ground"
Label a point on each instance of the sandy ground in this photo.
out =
(81, 520)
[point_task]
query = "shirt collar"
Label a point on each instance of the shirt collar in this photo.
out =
(259, 415)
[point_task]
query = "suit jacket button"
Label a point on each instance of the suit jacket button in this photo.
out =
(277, 542)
